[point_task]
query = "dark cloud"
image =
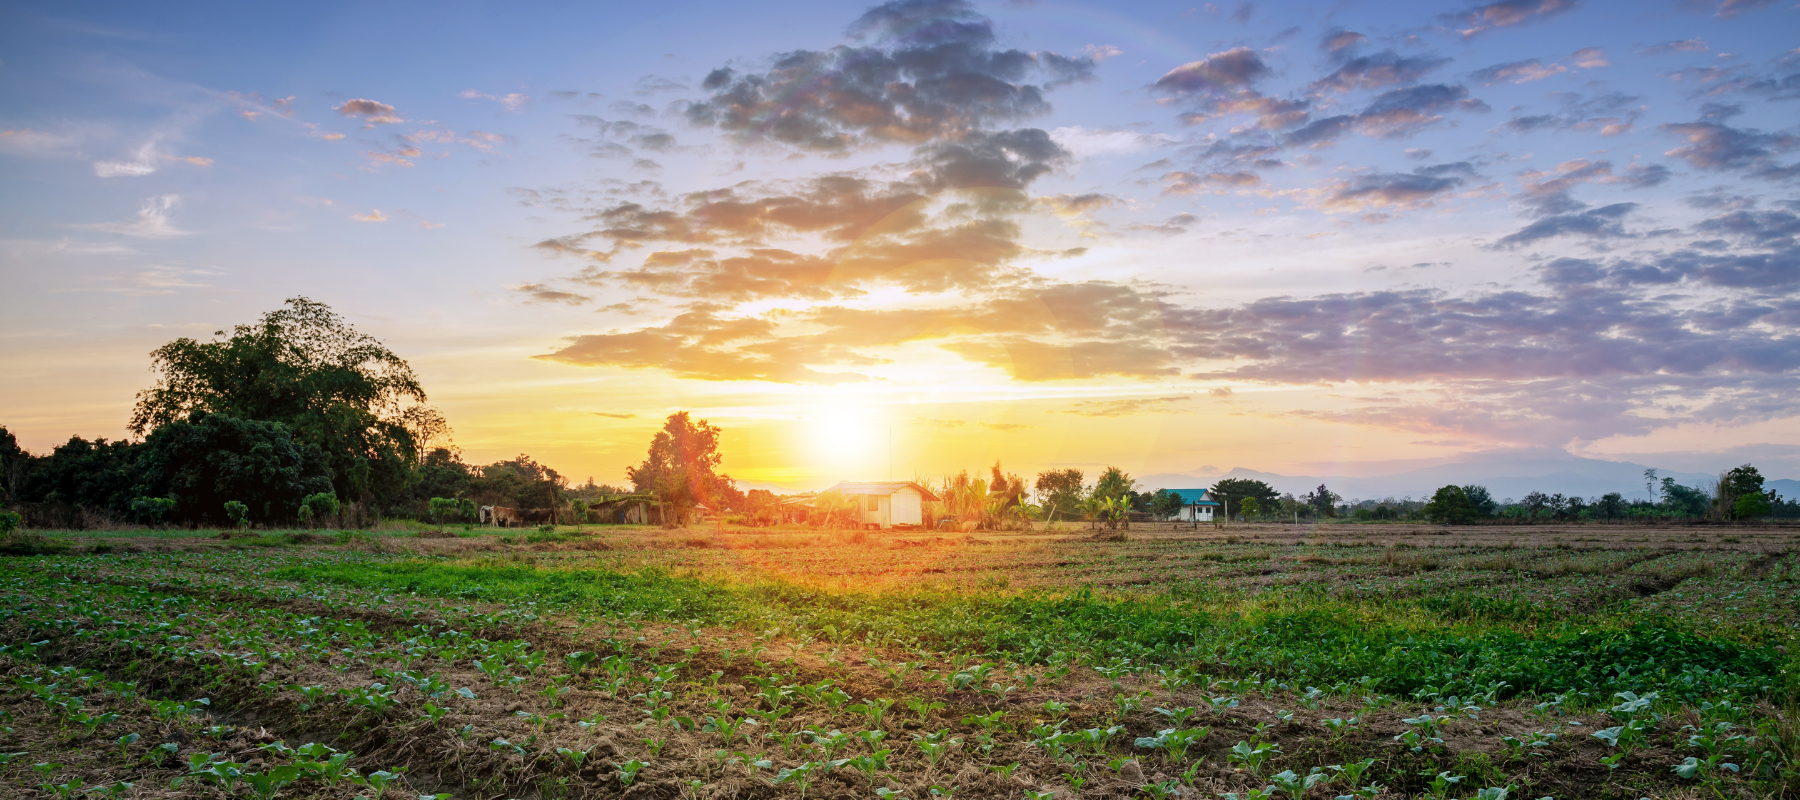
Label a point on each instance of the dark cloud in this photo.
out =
(1715, 146)
(933, 70)
(1389, 115)
(1605, 222)
(1643, 176)
(1507, 13)
(1386, 68)
(1419, 188)
(1578, 362)
(1609, 114)
(1217, 74)
(1005, 159)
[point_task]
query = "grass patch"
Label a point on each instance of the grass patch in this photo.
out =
(1461, 645)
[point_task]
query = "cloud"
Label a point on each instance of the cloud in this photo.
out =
(1715, 146)
(1386, 68)
(152, 220)
(1548, 192)
(1220, 391)
(146, 162)
(1214, 182)
(1082, 142)
(1005, 426)
(1694, 45)
(1643, 176)
(1389, 115)
(162, 279)
(1575, 363)
(372, 216)
(1129, 407)
(1590, 58)
(1218, 73)
(1507, 13)
(540, 293)
(1340, 41)
(1419, 188)
(1516, 72)
(705, 346)
(373, 113)
(932, 70)
(512, 102)
(1727, 9)
(613, 416)
(1606, 222)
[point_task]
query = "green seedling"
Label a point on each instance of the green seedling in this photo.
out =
(1295, 785)
(1252, 757)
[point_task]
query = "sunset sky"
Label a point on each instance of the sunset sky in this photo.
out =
(1334, 238)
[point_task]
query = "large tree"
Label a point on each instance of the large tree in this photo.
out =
(207, 460)
(332, 387)
(680, 469)
(1232, 492)
(1114, 484)
(1059, 492)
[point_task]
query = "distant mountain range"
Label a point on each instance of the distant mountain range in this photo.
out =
(1505, 476)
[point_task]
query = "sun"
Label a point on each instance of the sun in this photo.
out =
(846, 439)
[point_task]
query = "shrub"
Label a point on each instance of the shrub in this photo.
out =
(1450, 505)
(238, 513)
(152, 510)
(315, 506)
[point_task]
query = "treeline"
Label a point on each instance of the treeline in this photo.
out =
(1737, 494)
(293, 417)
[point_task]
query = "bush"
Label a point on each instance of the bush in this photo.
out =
(317, 506)
(1450, 505)
(152, 510)
(238, 513)
(207, 459)
(9, 522)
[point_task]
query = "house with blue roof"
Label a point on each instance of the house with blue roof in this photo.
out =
(1197, 505)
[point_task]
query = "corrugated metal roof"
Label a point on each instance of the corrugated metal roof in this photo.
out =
(1201, 497)
(880, 487)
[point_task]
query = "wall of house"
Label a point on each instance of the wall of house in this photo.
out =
(874, 516)
(907, 507)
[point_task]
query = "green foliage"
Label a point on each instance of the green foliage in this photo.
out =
(1751, 505)
(152, 510)
(679, 467)
(340, 393)
(1233, 491)
(450, 509)
(1321, 641)
(1451, 505)
(1164, 503)
(1059, 490)
(207, 459)
(237, 513)
(319, 505)
(9, 522)
(1113, 484)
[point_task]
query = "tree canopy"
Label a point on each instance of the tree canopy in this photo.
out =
(332, 387)
(680, 468)
(1233, 491)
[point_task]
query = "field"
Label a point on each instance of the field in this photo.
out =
(1353, 660)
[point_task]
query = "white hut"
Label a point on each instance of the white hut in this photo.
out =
(1197, 505)
(887, 503)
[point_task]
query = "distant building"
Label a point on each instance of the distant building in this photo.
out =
(1197, 505)
(887, 503)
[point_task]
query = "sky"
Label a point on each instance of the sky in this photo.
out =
(904, 239)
